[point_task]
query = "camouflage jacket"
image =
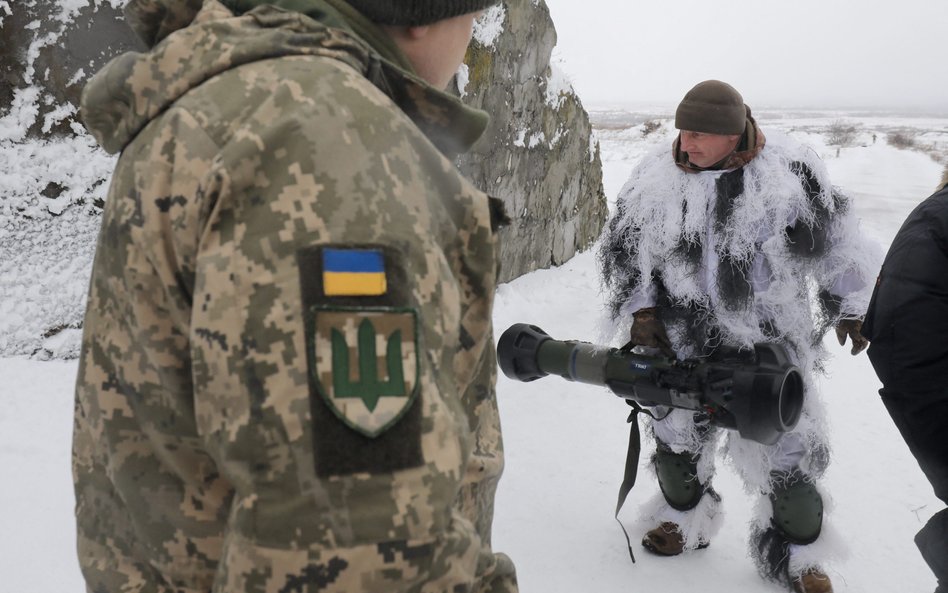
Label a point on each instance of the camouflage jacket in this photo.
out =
(287, 373)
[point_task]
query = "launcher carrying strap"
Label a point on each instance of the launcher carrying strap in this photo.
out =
(631, 463)
(631, 468)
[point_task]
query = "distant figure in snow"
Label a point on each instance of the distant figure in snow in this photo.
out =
(729, 240)
(907, 322)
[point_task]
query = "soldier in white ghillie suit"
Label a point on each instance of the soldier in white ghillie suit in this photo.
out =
(728, 240)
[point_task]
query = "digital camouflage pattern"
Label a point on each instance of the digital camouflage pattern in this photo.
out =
(207, 456)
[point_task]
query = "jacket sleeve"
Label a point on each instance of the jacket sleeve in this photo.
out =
(325, 337)
(907, 320)
(847, 272)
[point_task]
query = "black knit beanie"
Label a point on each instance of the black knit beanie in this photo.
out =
(414, 13)
(712, 107)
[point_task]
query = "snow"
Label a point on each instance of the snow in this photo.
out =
(20, 114)
(461, 78)
(565, 442)
(37, 538)
(536, 139)
(48, 217)
(57, 115)
(48, 226)
(490, 25)
(558, 85)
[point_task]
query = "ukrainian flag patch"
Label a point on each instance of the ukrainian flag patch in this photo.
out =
(353, 272)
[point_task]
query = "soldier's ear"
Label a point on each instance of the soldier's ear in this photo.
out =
(403, 35)
(415, 33)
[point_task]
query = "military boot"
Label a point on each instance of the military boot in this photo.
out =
(813, 581)
(667, 540)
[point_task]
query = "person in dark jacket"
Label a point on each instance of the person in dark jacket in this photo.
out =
(907, 324)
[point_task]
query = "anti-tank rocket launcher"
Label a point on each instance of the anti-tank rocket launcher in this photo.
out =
(759, 393)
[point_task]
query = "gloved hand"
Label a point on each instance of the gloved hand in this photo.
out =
(648, 330)
(851, 327)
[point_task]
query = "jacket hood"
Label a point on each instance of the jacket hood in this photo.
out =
(153, 20)
(191, 44)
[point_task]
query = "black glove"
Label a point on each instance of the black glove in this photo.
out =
(851, 328)
(648, 330)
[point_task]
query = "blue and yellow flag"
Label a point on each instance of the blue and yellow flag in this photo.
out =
(353, 272)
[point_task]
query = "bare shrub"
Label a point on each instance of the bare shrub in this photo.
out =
(901, 140)
(651, 126)
(841, 133)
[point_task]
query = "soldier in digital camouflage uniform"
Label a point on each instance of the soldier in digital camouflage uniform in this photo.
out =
(287, 374)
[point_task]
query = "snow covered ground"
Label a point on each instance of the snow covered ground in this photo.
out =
(566, 442)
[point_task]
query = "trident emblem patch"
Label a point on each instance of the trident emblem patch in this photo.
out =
(366, 364)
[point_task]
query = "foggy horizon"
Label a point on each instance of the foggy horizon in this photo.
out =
(868, 55)
(668, 107)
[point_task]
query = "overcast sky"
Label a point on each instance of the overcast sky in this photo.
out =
(807, 53)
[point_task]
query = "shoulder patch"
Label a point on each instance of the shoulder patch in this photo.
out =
(353, 272)
(365, 364)
(363, 358)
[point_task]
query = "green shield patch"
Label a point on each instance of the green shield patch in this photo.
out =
(365, 364)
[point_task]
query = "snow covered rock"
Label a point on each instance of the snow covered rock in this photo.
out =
(536, 155)
(52, 175)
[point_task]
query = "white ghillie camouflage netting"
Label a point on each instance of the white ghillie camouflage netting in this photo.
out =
(671, 222)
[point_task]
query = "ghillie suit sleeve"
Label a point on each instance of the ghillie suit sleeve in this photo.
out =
(845, 260)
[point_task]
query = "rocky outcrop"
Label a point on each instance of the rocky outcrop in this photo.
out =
(536, 155)
(53, 177)
(55, 46)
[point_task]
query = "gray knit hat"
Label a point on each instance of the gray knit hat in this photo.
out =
(414, 13)
(712, 107)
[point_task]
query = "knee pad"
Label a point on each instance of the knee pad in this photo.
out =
(678, 479)
(797, 507)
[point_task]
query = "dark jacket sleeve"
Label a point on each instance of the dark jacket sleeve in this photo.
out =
(907, 320)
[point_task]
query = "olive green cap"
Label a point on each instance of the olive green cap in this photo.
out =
(413, 13)
(712, 107)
